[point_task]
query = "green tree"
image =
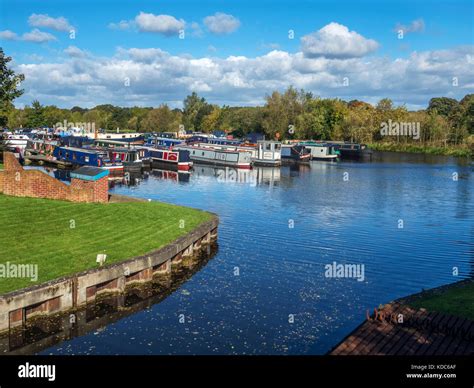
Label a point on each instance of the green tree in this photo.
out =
(35, 115)
(9, 83)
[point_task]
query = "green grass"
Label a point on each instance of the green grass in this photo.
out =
(398, 147)
(458, 301)
(38, 231)
(1, 166)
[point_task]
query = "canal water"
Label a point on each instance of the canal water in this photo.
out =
(408, 219)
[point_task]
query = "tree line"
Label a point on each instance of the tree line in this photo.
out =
(292, 114)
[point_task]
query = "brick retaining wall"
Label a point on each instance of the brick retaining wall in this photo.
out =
(16, 181)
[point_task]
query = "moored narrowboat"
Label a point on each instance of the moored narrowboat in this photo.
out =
(218, 157)
(320, 151)
(87, 157)
(355, 151)
(295, 154)
(268, 153)
(175, 158)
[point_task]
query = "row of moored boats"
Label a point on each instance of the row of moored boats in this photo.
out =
(119, 152)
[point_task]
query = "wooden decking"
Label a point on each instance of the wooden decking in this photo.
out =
(397, 329)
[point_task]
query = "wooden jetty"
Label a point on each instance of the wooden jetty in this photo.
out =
(398, 329)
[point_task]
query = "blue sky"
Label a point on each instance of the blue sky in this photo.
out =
(438, 36)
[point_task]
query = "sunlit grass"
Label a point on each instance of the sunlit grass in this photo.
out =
(64, 237)
(457, 301)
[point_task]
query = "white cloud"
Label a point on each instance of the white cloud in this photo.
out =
(221, 23)
(157, 76)
(121, 25)
(75, 52)
(417, 25)
(37, 36)
(161, 24)
(45, 21)
(336, 41)
(8, 35)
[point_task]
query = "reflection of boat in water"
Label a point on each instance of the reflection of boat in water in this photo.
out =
(256, 176)
(43, 332)
(177, 176)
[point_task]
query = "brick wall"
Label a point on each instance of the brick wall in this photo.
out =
(16, 181)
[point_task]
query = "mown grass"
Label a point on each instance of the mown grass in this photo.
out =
(398, 147)
(63, 238)
(458, 301)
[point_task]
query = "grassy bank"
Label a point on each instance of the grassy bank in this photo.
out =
(398, 147)
(457, 300)
(63, 237)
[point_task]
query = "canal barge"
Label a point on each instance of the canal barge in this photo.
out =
(295, 154)
(87, 157)
(218, 157)
(321, 151)
(268, 154)
(175, 159)
(355, 151)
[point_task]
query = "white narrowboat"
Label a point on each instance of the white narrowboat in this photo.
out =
(268, 153)
(320, 151)
(218, 157)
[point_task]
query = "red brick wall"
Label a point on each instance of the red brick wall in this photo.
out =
(18, 182)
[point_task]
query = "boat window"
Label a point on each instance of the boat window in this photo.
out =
(268, 147)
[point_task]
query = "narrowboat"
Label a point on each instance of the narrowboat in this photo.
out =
(175, 158)
(268, 153)
(162, 142)
(320, 151)
(218, 157)
(218, 141)
(133, 138)
(87, 157)
(132, 157)
(295, 154)
(355, 151)
(16, 142)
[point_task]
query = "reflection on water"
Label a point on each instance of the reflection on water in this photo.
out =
(266, 292)
(41, 333)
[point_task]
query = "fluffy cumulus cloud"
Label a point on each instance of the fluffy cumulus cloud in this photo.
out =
(46, 21)
(336, 41)
(37, 36)
(162, 24)
(221, 23)
(156, 76)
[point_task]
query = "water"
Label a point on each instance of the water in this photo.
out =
(265, 291)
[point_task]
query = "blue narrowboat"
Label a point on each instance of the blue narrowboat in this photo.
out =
(179, 159)
(86, 157)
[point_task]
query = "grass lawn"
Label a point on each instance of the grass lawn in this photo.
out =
(457, 301)
(65, 237)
